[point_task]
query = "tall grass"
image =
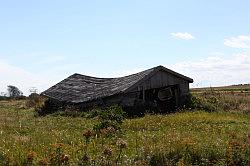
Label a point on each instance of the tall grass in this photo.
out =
(211, 100)
(189, 137)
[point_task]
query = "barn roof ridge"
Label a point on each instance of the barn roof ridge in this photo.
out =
(159, 67)
(174, 73)
(111, 77)
(79, 88)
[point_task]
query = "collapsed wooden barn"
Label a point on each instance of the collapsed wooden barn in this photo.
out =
(159, 88)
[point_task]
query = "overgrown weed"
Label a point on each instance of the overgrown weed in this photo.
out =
(201, 137)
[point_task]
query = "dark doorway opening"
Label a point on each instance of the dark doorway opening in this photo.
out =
(162, 100)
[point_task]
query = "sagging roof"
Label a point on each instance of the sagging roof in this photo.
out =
(79, 88)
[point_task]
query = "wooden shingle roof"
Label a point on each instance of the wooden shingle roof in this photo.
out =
(79, 88)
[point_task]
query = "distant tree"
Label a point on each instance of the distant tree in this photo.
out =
(14, 91)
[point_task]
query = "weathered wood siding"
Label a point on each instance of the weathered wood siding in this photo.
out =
(127, 99)
(162, 79)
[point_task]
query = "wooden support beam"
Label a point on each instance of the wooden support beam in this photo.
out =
(143, 94)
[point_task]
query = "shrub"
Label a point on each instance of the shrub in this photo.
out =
(35, 101)
(112, 116)
(93, 113)
(50, 106)
(208, 104)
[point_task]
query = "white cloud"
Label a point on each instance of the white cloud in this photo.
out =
(184, 36)
(213, 70)
(216, 71)
(24, 80)
(238, 42)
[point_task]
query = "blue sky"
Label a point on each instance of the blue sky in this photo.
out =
(43, 42)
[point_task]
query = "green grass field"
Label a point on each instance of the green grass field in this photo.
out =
(242, 88)
(188, 137)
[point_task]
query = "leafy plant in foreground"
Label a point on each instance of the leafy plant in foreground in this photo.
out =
(112, 116)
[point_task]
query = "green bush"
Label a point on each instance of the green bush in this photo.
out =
(93, 113)
(208, 104)
(35, 101)
(50, 106)
(112, 116)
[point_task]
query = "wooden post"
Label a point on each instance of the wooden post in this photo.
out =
(143, 94)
